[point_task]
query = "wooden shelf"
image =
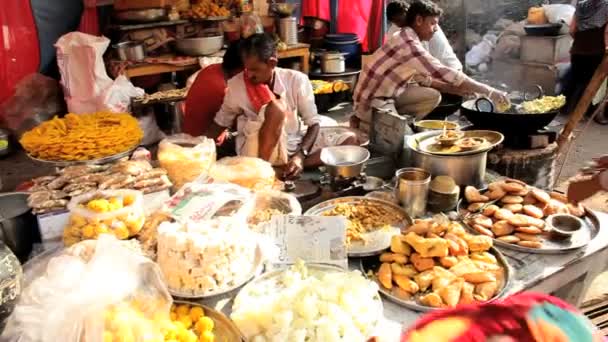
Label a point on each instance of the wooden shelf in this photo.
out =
(155, 69)
(301, 51)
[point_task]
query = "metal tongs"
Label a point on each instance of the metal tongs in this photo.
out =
(485, 104)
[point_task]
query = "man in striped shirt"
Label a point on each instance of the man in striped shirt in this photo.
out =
(403, 71)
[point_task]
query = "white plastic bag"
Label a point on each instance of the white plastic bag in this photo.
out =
(117, 97)
(67, 295)
(559, 13)
(481, 52)
(186, 157)
(83, 73)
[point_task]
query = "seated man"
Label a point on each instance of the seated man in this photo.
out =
(403, 71)
(206, 94)
(269, 105)
(439, 46)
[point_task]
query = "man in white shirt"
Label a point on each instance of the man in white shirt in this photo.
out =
(439, 45)
(275, 111)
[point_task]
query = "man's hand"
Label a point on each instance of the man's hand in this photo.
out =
(500, 99)
(294, 167)
(579, 190)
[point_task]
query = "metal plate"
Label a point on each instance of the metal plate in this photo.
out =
(580, 239)
(373, 264)
(272, 279)
(376, 241)
(104, 160)
(256, 269)
(223, 329)
(426, 143)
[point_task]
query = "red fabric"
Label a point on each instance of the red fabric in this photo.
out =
(317, 9)
(258, 94)
(376, 31)
(354, 17)
(204, 99)
(19, 52)
(89, 22)
(494, 318)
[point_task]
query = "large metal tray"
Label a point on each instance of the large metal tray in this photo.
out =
(223, 328)
(580, 239)
(373, 264)
(426, 142)
(272, 279)
(104, 160)
(256, 269)
(375, 241)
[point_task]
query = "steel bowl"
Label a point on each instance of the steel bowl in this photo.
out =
(141, 16)
(344, 161)
(200, 46)
(131, 51)
(18, 226)
(434, 125)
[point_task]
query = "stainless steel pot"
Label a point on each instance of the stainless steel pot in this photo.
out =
(333, 63)
(467, 169)
(200, 46)
(18, 227)
(142, 15)
(344, 161)
(131, 51)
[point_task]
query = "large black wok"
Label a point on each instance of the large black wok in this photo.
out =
(484, 116)
(449, 105)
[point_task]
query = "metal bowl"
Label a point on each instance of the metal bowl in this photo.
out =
(200, 46)
(434, 125)
(284, 9)
(344, 161)
(141, 16)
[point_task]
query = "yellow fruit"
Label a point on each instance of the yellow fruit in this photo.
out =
(121, 233)
(196, 313)
(182, 310)
(207, 336)
(88, 231)
(204, 324)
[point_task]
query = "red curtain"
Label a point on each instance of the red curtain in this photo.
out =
(89, 23)
(317, 9)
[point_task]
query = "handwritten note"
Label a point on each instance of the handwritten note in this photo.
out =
(314, 239)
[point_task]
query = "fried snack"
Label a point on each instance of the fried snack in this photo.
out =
(512, 187)
(533, 211)
(502, 228)
(528, 237)
(448, 261)
(466, 295)
(427, 248)
(483, 230)
(406, 284)
(422, 264)
(541, 196)
(442, 278)
(83, 136)
(486, 290)
(530, 244)
(509, 239)
(399, 246)
(364, 218)
(479, 243)
(424, 279)
(503, 214)
(407, 270)
(490, 210)
(432, 299)
(512, 199)
(393, 257)
(483, 221)
(529, 230)
(514, 208)
(450, 294)
(385, 275)
(472, 195)
(484, 257)
(495, 191)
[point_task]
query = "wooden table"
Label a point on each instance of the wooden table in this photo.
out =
(299, 50)
(155, 69)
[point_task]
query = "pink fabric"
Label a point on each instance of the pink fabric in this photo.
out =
(317, 9)
(259, 94)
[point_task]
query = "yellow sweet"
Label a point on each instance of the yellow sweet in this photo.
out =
(182, 310)
(196, 313)
(204, 324)
(121, 233)
(107, 336)
(88, 231)
(83, 136)
(186, 321)
(207, 336)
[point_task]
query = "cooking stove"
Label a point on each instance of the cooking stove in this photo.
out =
(311, 192)
(532, 140)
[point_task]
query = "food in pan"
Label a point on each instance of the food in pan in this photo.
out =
(437, 263)
(448, 137)
(515, 213)
(206, 8)
(308, 304)
(83, 136)
(323, 87)
(364, 218)
(544, 104)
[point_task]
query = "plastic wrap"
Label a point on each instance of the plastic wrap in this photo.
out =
(116, 212)
(116, 295)
(268, 203)
(248, 172)
(185, 157)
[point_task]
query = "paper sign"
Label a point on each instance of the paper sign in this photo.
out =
(314, 239)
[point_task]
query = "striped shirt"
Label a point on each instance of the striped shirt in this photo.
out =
(392, 67)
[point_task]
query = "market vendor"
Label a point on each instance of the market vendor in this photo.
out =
(590, 181)
(206, 94)
(438, 46)
(270, 105)
(404, 72)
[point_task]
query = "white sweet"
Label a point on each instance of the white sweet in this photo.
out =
(204, 258)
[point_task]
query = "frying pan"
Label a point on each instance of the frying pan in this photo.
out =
(481, 114)
(449, 104)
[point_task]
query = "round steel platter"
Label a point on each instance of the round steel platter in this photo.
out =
(372, 264)
(104, 160)
(377, 240)
(223, 328)
(426, 142)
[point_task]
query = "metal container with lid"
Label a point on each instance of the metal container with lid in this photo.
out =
(131, 51)
(333, 62)
(288, 30)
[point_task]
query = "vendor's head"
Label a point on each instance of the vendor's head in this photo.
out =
(423, 17)
(259, 54)
(232, 63)
(396, 12)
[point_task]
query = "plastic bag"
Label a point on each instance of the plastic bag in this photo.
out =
(117, 97)
(559, 13)
(115, 295)
(116, 212)
(37, 98)
(248, 172)
(185, 157)
(266, 204)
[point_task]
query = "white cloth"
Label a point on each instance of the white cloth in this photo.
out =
(295, 90)
(439, 47)
(249, 146)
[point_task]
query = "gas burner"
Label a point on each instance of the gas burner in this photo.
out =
(341, 183)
